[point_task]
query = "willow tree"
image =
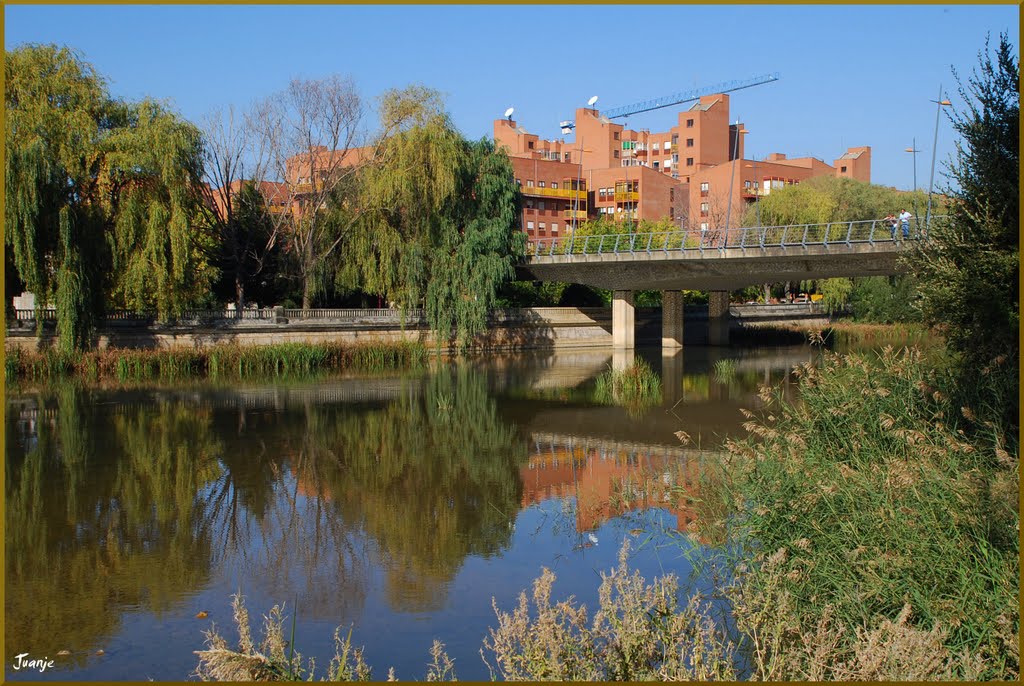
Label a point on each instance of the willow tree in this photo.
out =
(100, 193)
(441, 226)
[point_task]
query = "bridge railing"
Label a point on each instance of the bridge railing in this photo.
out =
(754, 238)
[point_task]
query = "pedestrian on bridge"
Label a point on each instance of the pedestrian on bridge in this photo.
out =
(905, 223)
(891, 220)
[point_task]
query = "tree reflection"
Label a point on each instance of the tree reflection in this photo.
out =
(137, 504)
(102, 513)
(432, 479)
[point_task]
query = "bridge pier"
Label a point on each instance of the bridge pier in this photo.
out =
(718, 317)
(623, 320)
(671, 320)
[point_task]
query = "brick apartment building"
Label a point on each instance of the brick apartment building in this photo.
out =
(695, 174)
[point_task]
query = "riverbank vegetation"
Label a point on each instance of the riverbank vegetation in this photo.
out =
(214, 362)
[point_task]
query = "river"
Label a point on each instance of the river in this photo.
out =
(399, 505)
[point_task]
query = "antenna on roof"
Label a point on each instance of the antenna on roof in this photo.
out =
(508, 113)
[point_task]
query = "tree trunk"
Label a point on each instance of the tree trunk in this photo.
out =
(307, 294)
(239, 292)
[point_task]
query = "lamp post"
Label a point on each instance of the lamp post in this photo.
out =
(938, 109)
(917, 219)
(732, 176)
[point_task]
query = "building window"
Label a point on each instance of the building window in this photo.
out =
(842, 170)
(615, 154)
(529, 183)
(554, 184)
(689, 123)
(671, 195)
(529, 226)
(655, 164)
(540, 205)
(703, 207)
(554, 228)
(689, 161)
(703, 226)
(519, 182)
(541, 184)
(689, 142)
(529, 204)
(705, 186)
(668, 163)
(615, 135)
(675, 139)
(566, 157)
(542, 227)
(671, 211)
(529, 145)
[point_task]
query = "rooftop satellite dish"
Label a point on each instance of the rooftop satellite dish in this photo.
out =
(508, 113)
(590, 103)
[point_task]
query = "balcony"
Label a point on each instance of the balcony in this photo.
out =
(626, 196)
(537, 192)
(574, 214)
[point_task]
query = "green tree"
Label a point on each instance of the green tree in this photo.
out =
(969, 271)
(100, 193)
(440, 228)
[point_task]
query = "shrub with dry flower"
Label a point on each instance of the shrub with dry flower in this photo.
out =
(639, 633)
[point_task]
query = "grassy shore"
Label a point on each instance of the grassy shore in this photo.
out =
(216, 362)
(879, 526)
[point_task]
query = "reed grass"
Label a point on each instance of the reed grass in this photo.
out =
(637, 386)
(875, 506)
(725, 371)
(220, 361)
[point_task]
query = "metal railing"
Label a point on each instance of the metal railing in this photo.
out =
(261, 314)
(553, 192)
(693, 241)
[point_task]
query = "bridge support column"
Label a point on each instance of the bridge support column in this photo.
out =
(671, 320)
(718, 318)
(623, 359)
(623, 319)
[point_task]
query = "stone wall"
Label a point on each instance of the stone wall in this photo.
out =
(540, 327)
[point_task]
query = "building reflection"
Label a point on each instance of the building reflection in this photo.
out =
(607, 479)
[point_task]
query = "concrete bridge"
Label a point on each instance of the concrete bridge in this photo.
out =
(717, 261)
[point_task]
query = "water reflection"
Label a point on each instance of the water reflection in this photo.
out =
(103, 511)
(363, 501)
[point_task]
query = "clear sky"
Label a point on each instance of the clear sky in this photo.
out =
(850, 75)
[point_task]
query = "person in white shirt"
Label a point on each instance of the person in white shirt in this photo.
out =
(905, 223)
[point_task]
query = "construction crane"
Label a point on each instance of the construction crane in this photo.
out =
(677, 98)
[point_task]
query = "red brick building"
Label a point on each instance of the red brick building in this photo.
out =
(695, 174)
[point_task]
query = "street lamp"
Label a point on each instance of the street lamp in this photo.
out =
(917, 219)
(732, 176)
(939, 104)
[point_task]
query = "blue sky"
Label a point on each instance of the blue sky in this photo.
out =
(850, 75)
